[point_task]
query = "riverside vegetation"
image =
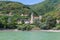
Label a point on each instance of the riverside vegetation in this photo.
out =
(48, 9)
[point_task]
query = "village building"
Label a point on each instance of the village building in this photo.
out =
(58, 21)
(28, 20)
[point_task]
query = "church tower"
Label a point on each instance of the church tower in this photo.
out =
(31, 21)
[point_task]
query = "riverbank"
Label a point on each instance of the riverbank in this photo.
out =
(50, 30)
(15, 30)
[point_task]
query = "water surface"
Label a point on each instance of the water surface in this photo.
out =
(28, 35)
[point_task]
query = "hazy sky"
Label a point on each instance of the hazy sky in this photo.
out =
(28, 2)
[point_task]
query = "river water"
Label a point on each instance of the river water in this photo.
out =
(29, 35)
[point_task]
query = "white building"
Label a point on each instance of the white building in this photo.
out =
(58, 21)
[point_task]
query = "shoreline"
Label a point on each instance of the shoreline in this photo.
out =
(46, 30)
(15, 30)
(50, 30)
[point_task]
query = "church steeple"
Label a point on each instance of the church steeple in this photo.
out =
(31, 21)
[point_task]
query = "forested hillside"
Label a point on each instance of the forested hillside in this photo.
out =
(50, 10)
(13, 7)
(47, 7)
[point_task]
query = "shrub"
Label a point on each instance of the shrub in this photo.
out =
(51, 22)
(29, 27)
(25, 27)
(58, 27)
(21, 27)
(37, 22)
(43, 26)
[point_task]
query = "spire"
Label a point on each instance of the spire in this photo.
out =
(31, 21)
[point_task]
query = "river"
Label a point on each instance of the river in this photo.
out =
(29, 35)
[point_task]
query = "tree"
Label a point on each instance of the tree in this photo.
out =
(3, 21)
(51, 22)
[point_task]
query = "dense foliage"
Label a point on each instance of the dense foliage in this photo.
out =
(49, 9)
(14, 7)
(47, 6)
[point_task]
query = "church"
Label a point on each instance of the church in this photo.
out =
(29, 20)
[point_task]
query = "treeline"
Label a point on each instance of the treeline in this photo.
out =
(10, 22)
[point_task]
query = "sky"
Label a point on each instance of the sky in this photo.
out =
(28, 2)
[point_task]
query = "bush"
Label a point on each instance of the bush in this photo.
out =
(21, 27)
(29, 27)
(58, 27)
(37, 22)
(51, 21)
(25, 27)
(43, 26)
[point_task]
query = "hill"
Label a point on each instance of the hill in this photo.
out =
(13, 7)
(47, 7)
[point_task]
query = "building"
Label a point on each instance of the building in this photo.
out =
(28, 20)
(58, 21)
